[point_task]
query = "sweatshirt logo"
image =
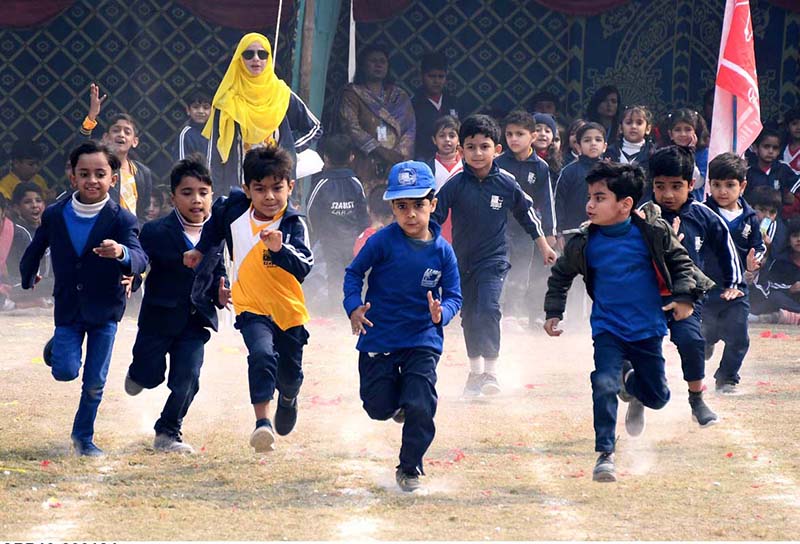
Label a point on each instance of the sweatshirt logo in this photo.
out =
(496, 203)
(698, 243)
(746, 231)
(431, 277)
(531, 178)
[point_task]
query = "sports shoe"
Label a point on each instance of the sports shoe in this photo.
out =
(724, 388)
(701, 413)
(623, 394)
(634, 418)
(399, 416)
(285, 415)
(489, 386)
(604, 469)
(709, 351)
(407, 482)
(263, 438)
(86, 449)
(131, 387)
(47, 353)
(473, 386)
(171, 444)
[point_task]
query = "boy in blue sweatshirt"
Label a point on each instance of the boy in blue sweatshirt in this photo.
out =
(93, 242)
(413, 292)
(726, 320)
(704, 234)
(481, 197)
(628, 263)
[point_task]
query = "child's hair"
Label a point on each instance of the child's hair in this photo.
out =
(198, 96)
(591, 125)
(268, 161)
(727, 166)
(336, 148)
(479, 124)
(791, 115)
(644, 111)
(26, 149)
(765, 197)
(692, 118)
(624, 180)
(90, 147)
(521, 118)
(673, 160)
(446, 121)
(376, 204)
(3, 205)
(359, 78)
(124, 117)
(600, 95)
(767, 132)
(25, 187)
(793, 226)
(433, 61)
(192, 166)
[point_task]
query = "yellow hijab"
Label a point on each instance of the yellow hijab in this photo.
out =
(257, 103)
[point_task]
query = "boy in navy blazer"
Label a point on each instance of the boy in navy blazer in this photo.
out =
(93, 243)
(179, 303)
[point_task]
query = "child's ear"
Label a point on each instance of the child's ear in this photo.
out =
(114, 178)
(135, 141)
(290, 184)
(742, 185)
(433, 204)
(498, 149)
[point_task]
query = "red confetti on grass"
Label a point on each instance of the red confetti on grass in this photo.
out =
(579, 474)
(780, 336)
(486, 492)
(45, 463)
(320, 401)
(533, 385)
(763, 383)
(755, 486)
(766, 334)
(729, 454)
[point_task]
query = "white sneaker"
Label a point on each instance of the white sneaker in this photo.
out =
(169, 444)
(263, 438)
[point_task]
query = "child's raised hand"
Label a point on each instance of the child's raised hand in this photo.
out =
(192, 258)
(273, 239)
(95, 101)
(731, 293)
(676, 227)
(109, 249)
(680, 310)
(435, 307)
(358, 319)
(753, 263)
(224, 294)
(551, 327)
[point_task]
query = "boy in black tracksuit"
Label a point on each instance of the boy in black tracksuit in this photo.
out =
(337, 212)
(628, 264)
(702, 232)
(481, 197)
(179, 304)
(726, 320)
(191, 139)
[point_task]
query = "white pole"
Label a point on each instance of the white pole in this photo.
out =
(277, 29)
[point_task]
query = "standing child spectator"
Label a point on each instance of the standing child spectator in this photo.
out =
(704, 235)
(26, 161)
(412, 294)
(28, 205)
(431, 103)
(380, 215)
(726, 320)
(337, 212)
(178, 305)
(627, 263)
(93, 243)
(447, 161)
(481, 198)
(191, 139)
(545, 142)
(770, 171)
(791, 153)
(571, 149)
(605, 108)
(268, 244)
(635, 146)
(686, 128)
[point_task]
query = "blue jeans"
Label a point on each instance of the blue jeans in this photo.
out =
(67, 345)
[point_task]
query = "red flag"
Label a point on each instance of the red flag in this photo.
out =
(737, 107)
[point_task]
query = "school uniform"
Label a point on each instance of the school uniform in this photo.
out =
(89, 299)
(427, 112)
(625, 152)
(779, 177)
(480, 210)
(791, 156)
(266, 289)
(780, 276)
(570, 195)
(399, 353)
(179, 306)
(191, 140)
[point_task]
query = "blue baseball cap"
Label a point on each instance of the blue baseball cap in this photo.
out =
(410, 179)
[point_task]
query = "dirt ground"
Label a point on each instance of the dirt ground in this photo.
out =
(516, 467)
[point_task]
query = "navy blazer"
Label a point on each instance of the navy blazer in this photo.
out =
(173, 292)
(87, 287)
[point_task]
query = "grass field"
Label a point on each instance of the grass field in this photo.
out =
(518, 467)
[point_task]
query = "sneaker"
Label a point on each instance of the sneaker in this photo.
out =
(171, 444)
(723, 388)
(701, 413)
(131, 387)
(399, 416)
(87, 449)
(634, 418)
(473, 386)
(263, 438)
(604, 469)
(47, 353)
(285, 415)
(407, 482)
(489, 386)
(709, 351)
(623, 394)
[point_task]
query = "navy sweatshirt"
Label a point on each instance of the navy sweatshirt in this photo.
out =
(533, 175)
(745, 232)
(480, 211)
(337, 207)
(401, 273)
(191, 140)
(571, 191)
(779, 177)
(426, 116)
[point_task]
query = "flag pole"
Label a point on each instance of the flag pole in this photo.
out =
(735, 128)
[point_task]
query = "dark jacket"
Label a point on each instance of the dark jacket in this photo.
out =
(780, 177)
(570, 195)
(426, 116)
(173, 292)
(191, 140)
(87, 287)
(677, 275)
(745, 233)
(533, 175)
(337, 207)
(640, 159)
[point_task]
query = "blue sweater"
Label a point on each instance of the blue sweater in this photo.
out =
(401, 272)
(627, 302)
(78, 227)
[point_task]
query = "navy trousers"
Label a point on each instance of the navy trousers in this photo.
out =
(516, 300)
(726, 320)
(275, 356)
(480, 310)
(687, 335)
(648, 383)
(149, 368)
(404, 379)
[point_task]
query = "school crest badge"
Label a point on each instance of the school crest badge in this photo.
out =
(746, 230)
(496, 202)
(531, 178)
(431, 277)
(698, 243)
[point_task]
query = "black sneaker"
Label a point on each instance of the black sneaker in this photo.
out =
(285, 415)
(490, 385)
(604, 469)
(623, 394)
(47, 353)
(86, 449)
(709, 351)
(701, 413)
(407, 482)
(634, 418)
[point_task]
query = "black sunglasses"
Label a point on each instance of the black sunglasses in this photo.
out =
(248, 54)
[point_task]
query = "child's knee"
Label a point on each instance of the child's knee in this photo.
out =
(658, 400)
(93, 391)
(604, 383)
(65, 372)
(379, 407)
(419, 408)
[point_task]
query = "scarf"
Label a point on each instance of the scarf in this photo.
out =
(257, 103)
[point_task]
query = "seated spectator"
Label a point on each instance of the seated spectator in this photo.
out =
(783, 277)
(768, 170)
(28, 205)
(26, 161)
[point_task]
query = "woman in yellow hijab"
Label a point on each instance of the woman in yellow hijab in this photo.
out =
(252, 107)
